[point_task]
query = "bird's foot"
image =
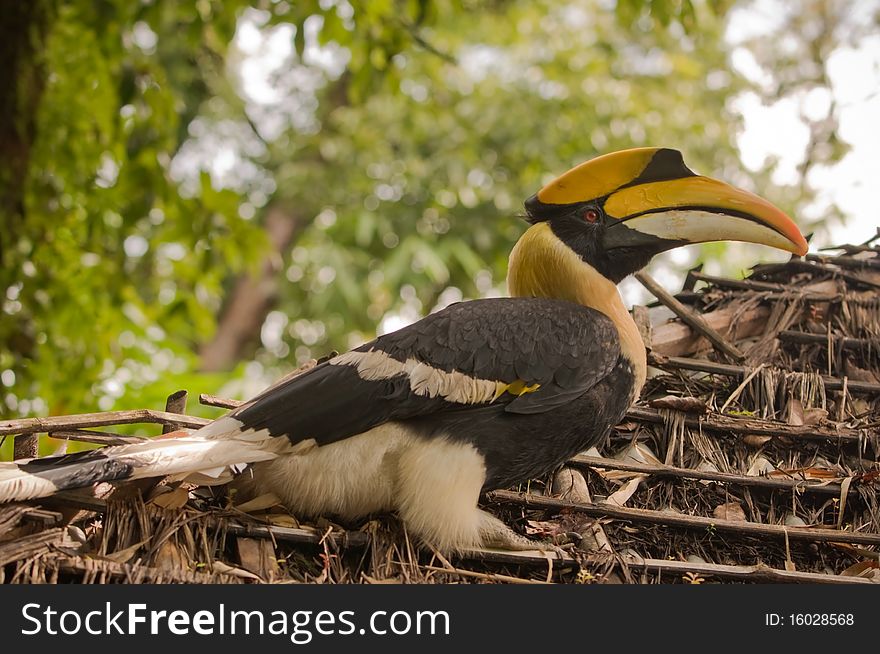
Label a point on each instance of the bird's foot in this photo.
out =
(497, 535)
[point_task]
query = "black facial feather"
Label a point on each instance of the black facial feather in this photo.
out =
(588, 239)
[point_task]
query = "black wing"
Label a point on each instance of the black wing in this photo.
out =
(528, 354)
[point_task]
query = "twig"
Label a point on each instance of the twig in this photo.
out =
(292, 534)
(845, 261)
(752, 573)
(176, 403)
(222, 402)
(738, 284)
(488, 576)
(813, 267)
(25, 446)
(817, 535)
(726, 369)
(29, 545)
(528, 557)
(82, 420)
(747, 426)
(691, 318)
(841, 341)
(133, 573)
(660, 470)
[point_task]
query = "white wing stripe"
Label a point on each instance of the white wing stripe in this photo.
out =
(424, 379)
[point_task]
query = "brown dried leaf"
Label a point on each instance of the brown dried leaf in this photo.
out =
(792, 520)
(257, 555)
(683, 404)
(760, 466)
(279, 520)
(224, 568)
(122, 556)
(755, 441)
(862, 569)
(622, 495)
(175, 499)
(569, 484)
(639, 453)
(815, 416)
(795, 412)
(859, 374)
(171, 557)
(259, 503)
(730, 511)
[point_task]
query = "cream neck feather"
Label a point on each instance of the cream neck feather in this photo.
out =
(541, 265)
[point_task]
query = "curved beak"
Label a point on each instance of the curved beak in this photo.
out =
(665, 214)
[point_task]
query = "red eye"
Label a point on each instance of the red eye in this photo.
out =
(591, 215)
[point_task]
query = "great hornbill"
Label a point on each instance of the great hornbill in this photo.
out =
(481, 395)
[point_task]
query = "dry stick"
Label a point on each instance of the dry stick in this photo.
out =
(44, 517)
(775, 291)
(845, 261)
(748, 426)
(488, 576)
(813, 267)
(851, 249)
(752, 573)
(726, 369)
(691, 318)
(136, 573)
(83, 420)
(817, 535)
(873, 238)
(176, 403)
(222, 402)
(291, 534)
(30, 545)
(739, 284)
(674, 338)
(26, 446)
(805, 485)
(847, 343)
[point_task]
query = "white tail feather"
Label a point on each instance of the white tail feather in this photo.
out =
(209, 451)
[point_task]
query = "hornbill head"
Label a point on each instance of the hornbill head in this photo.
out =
(619, 210)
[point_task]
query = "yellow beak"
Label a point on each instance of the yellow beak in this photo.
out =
(699, 209)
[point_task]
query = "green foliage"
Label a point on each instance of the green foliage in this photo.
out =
(110, 265)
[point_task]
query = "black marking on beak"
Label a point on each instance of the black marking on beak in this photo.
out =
(665, 165)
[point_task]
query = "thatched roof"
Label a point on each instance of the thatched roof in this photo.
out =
(752, 456)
